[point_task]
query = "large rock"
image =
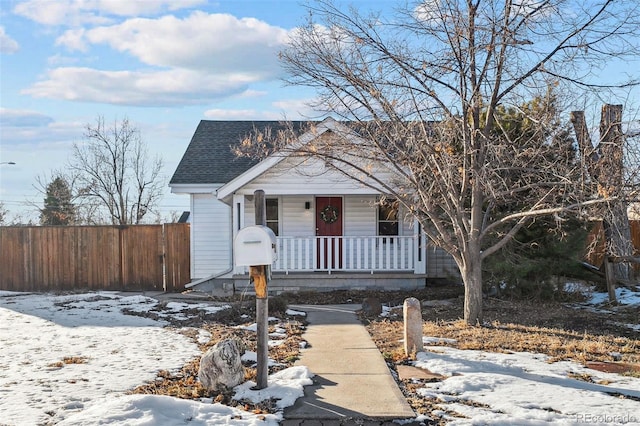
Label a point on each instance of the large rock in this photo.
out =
(222, 365)
(371, 306)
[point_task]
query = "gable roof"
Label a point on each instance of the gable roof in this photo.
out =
(327, 125)
(209, 159)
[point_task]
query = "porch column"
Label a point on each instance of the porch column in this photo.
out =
(237, 222)
(420, 249)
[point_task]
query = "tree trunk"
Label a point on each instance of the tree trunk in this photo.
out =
(618, 238)
(472, 279)
(605, 165)
(610, 184)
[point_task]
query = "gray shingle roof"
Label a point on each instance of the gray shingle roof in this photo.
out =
(209, 159)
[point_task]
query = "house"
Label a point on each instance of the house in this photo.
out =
(331, 233)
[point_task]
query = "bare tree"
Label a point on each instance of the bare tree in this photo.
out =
(112, 169)
(423, 90)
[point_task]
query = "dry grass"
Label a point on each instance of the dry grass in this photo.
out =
(184, 384)
(558, 344)
(69, 360)
(555, 329)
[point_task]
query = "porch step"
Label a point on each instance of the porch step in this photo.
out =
(319, 281)
(216, 286)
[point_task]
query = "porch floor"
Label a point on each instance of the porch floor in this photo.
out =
(319, 281)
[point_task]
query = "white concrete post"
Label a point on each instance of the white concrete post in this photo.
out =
(412, 326)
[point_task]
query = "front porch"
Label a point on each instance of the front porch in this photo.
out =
(327, 263)
(330, 254)
(339, 242)
(351, 254)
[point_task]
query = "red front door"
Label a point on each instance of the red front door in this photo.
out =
(329, 225)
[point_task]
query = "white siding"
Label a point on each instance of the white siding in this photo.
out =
(294, 177)
(210, 236)
(360, 215)
(295, 220)
(440, 264)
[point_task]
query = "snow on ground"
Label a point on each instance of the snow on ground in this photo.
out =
(525, 389)
(598, 302)
(70, 359)
(116, 352)
(624, 296)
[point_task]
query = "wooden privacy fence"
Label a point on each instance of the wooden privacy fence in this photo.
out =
(596, 239)
(136, 257)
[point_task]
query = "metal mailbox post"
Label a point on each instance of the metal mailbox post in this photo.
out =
(255, 247)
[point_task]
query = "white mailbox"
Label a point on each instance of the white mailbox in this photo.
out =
(255, 245)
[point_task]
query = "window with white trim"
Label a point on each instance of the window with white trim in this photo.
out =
(388, 218)
(272, 214)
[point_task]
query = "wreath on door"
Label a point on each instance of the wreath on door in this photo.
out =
(329, 214)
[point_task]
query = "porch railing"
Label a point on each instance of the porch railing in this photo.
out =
(388, 253)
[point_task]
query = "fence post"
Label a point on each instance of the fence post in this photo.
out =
(163, 257)
(610, 276)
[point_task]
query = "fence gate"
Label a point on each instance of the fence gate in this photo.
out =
(177, 258)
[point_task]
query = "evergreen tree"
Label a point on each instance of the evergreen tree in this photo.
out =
(542, 249)
(58, 206)
(3, 213)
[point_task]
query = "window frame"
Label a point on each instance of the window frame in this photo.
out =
(393, 207)
(271, 221)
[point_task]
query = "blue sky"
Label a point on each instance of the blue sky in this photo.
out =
(164, 64)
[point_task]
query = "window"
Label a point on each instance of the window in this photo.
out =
(272, 214)
(388, 218)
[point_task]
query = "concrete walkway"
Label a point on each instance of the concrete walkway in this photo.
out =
(352, 383)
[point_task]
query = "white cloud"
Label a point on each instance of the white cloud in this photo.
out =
(195, 59)
(298, 109)
(200, 41)
(31, 128)
(429, 10)
(59, 12)
(253, 94)
(79, 12)
(282, 110)
(137, 8)
(141, 88)
(241, 114)
(73, 40)
(7, 44)
(23, 118)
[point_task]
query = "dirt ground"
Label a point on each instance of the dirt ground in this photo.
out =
(562, 329)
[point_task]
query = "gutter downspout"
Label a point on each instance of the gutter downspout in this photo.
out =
(210, 277)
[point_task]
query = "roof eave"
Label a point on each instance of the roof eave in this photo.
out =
(227, 190)
(194, 188)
